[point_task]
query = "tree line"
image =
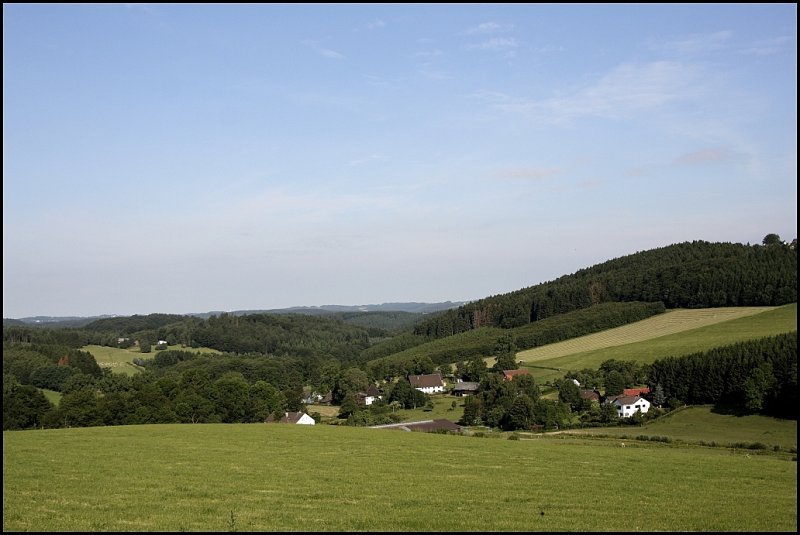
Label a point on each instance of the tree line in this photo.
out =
(696, 274)
(756, 376)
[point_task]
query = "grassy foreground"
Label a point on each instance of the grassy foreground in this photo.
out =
(257, 477)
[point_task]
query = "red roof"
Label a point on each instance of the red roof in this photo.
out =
(636, 391)
(510, 374)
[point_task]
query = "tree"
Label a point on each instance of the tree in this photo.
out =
(475, 369)
(24, 406)
(526, 384)
(351, 381)
(757, 387)
(505, 352)
(349, 406)
(265, 399)
(294, 399)
(521, 413)
(421, 365)
(191, 407)
(472, 411)
(608, 413)
(772, 239)
(569, 393)
(615, 383)
(659, 398)
(230, 394)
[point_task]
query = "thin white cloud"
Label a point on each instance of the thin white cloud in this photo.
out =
(626, 90)
(765, 47)
(548, 49)
(328, 53)
(495, 43)
(434, 75)
(488, 27)
(374, 24)
(367, 159)
(428, 53)
(325, 52)
(697, 42)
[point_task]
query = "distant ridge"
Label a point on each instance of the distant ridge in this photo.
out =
(80, 321)
(412, 307)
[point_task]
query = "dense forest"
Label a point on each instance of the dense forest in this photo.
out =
(269, 363)
(695, 274)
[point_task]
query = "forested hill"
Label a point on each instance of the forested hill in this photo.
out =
(130, 324)
(696, 274)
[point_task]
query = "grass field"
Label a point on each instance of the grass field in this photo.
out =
(121, 360)
(701, 424)
(442, 408)
(674, 333)
(52, 396)
(258, 477)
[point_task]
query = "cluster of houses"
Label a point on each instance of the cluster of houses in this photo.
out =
(628, 403)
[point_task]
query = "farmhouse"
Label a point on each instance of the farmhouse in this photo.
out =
(628, 405)
(368, 397)
(294, 418)
(509, 375)
(465, 388)
(591, 395)
(310, 397)
(430, 383)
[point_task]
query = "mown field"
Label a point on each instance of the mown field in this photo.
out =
(259, 477)
(121, 360)
(674, 333)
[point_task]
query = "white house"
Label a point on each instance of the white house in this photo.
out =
(628, 405)
(430, 384)
(371, 395)
(297, 418)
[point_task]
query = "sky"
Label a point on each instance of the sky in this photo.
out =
(189, 158)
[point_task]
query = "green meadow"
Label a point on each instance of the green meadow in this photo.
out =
(674, 333)
(704, 425)
(273, 477)
(121, 360)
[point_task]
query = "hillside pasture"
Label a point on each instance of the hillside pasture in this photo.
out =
(121, 360)
(674, 333)
(274, 477)
(703, 424)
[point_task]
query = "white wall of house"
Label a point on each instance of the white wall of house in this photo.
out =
(431, 389)
(625, 411)
(306, 420)
(369, 400)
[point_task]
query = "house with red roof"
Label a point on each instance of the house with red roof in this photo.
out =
(629, 405)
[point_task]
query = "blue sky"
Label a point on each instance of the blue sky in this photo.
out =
(187, 158)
